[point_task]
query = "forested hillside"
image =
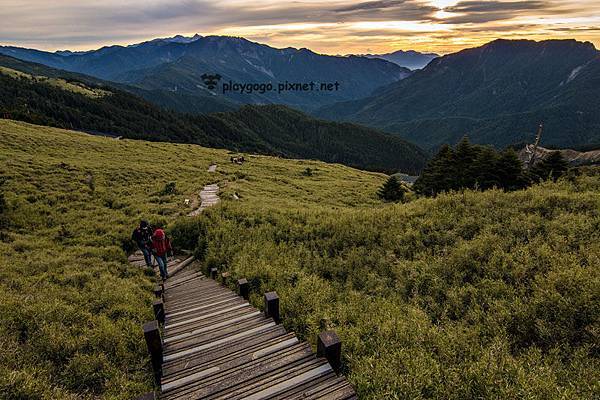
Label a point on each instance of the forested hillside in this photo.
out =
(162, 98)
(496, 94)
(274, 130)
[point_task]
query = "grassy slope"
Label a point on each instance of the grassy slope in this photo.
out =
(71, 307)
(465, 296)
(78, 87)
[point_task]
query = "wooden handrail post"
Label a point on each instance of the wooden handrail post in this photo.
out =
(272, 306)
(159, 310)
(213, 273)
(154, 343)
(158, 291)
(330, 347)
(243, 288)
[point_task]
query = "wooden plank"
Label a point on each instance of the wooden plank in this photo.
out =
(214, 343)
(231, 349)
(250, 376)
(193, 376)
(217, 346)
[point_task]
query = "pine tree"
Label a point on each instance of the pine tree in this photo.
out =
(391, 190)
(510, 170)
(552, 167)
(470, 166)
(465, 155)
(485, 170)
(439, 174)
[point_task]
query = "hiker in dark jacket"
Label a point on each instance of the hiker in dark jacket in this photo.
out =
(161, 245)
(142, 236)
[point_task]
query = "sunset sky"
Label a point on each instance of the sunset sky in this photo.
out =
(332, 27)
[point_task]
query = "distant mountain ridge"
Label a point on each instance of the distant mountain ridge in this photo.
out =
(496, 94)
(408, 59)
(41, 95)
(177, 65)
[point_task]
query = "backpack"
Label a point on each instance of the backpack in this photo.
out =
(160, 242)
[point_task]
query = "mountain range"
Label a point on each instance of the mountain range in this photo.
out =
(496, 94)
(176, 66)
(408, 59)
(45, 96)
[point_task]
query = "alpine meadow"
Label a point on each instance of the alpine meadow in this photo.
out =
(307, 200)
(466, 295)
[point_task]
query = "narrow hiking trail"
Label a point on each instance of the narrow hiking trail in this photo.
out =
(209, 342)
(209, 195)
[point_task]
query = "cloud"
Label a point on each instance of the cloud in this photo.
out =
(495, 6)
(404, 10)
(335, 26)
(479, 12)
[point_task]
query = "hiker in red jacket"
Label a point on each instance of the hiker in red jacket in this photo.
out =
(161, 245)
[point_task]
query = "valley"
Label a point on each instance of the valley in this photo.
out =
(274, 130)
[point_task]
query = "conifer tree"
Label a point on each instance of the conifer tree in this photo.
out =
(465, 155)
(510, 170)
(470, 166)
(552, 167)
(485, 170)
(391, 190)
(438, 175)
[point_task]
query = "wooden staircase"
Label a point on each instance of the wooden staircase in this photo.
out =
(214, 345)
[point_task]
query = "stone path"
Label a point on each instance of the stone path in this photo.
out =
(209, 196)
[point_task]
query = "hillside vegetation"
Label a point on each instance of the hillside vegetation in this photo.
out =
(464, 296)
(71, 307)
(273, 130)
(469, 295)
(60, 83)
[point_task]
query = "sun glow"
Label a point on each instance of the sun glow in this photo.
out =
(443, 3)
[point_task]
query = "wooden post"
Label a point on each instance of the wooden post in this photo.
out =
(159, 310)
(272, 306)
(213, 273)
(154, 343)
(330, 347)
(158, 291)
(224, 278)
(243, 288)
